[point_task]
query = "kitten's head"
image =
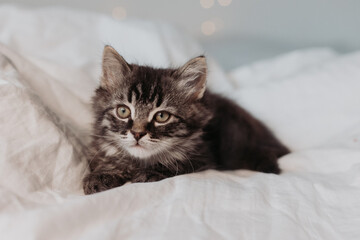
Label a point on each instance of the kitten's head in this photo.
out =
(150, 113)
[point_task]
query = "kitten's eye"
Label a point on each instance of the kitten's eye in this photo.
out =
(123, 111)
(162, 117)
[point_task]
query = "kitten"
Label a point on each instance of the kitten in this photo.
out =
(153, 124)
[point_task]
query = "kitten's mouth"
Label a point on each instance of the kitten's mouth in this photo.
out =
(137, 145)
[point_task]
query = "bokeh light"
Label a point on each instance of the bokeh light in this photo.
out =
(208, 28)
(119, 13)
(207, 3)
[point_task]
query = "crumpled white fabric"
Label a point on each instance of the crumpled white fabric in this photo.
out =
(49, 66)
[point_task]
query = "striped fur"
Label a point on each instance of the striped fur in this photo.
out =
(204, 130)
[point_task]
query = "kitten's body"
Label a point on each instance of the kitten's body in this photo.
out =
(204, 130)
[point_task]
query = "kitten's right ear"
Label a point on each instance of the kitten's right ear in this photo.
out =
(114, 68)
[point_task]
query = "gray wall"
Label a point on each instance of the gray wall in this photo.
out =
(251, 29)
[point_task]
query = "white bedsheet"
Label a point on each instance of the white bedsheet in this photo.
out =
(49, 67)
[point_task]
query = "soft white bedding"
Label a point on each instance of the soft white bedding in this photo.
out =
(49, 67)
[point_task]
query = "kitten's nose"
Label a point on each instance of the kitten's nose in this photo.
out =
(138, 135)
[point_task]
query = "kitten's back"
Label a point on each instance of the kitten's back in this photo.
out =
(238, 140)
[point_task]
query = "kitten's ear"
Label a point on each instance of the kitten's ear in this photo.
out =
(114, 68)
(192, 77)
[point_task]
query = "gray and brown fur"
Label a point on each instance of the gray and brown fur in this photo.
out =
(206, 131)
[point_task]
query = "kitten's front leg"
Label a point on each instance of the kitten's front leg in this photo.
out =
(102, 180)
(152, 175)
(159, 172)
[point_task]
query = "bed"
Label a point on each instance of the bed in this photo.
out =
(49, 67)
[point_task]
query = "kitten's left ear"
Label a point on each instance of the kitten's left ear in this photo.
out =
(192, 77)
(114, 68)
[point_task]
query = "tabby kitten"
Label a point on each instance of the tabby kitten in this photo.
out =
(153, 124)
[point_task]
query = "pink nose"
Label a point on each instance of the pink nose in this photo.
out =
(138, 135)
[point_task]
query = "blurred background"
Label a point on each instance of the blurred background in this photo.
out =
(237, 32)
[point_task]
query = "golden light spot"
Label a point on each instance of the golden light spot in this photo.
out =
(207, 3)
(119, 13)
(224, 3)
(219, 23)
(208, 28)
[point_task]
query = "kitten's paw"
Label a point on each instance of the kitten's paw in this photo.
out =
(269, 168)
(147, 177)
(98, 182)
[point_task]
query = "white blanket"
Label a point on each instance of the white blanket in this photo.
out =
(49, 67)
